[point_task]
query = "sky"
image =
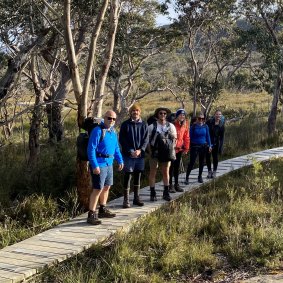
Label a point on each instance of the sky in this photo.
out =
(164, 20)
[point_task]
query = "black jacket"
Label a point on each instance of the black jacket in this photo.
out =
(216, 133)
(133, 136)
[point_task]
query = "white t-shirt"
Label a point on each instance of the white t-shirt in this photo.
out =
(162, 128)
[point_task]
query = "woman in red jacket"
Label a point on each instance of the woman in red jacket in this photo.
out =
(182, 147)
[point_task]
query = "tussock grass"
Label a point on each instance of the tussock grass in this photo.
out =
(232, 223)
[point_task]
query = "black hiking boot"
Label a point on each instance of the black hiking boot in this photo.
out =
(200, 180)
(104, 212)
(126, 202)
(92, 218)
(172, 189)
(178, 188)
(153, 194)
(166, 195)
(137, 201)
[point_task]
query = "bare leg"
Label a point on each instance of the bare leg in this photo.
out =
(104, 195)
(93, 200)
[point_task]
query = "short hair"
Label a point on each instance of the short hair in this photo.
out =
(135, 106)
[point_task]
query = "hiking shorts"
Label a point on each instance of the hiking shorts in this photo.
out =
(105, 178)
(153, 163)
(133, 164)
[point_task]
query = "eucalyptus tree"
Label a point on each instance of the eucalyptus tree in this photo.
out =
(204, 27)
(22, 36)
(138, 40)
(265, 20)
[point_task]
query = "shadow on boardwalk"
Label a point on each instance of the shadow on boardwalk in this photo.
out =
(20, 261)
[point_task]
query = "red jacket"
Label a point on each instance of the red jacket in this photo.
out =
(183, 137)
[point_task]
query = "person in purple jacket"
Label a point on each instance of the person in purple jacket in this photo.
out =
(101, 154)
(200, 141)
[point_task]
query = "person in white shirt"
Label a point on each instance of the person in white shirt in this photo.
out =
(162, 138)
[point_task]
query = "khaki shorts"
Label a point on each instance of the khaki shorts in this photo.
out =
(153, 163)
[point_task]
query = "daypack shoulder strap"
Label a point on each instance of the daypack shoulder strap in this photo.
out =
(154, 130)
(103, 132)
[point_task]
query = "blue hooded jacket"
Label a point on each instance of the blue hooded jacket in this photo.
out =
(107, 147)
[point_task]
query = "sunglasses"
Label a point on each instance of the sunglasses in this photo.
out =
(111, 119)
(162, 113)
(200, 118)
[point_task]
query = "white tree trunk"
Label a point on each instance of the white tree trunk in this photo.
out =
(114, 16)
(91, 56)
(72, 59)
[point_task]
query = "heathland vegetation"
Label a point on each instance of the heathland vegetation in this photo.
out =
(61, 61)
(213, 233)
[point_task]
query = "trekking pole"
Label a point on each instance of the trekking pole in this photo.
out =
(182, 169)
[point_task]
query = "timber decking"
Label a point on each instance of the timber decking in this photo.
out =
(20, 261)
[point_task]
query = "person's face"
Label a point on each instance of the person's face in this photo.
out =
(181, 117)
(162, 114)
(200, 119)
(109, 119)
(217, 115)
(135, 114)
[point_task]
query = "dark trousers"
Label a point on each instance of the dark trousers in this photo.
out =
(174, 169)
(196, 151)
(214, 154)
(128, 177)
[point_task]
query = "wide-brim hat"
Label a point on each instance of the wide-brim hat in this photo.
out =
(168, 111)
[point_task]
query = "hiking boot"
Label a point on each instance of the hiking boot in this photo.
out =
(92, 218)
(200, 180)
(209, 175)
(153, 194)
(186, 182)
(214, 174)
(126, 204)
(137, 201)
(172, 189)
(178, 188)
(104, 212)
(166, 195)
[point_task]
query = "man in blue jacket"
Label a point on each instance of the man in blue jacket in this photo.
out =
(101, 153)
(133, 139)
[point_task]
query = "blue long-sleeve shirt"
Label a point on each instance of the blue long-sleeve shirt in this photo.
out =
(108, 146)
(199, 134)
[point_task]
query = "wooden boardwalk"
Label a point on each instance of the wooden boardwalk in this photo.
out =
(24, 259)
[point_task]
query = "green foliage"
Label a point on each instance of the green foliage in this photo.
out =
(34, 214)
(234, 222)
(54, 173)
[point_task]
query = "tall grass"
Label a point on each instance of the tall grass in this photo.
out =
(54, 177)
(234, 223)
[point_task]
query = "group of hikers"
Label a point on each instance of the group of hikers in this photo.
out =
(163, 139)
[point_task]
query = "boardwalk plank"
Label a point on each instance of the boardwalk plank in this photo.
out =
(26, 257)
(5, 280)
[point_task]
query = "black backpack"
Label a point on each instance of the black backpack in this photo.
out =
(83, 138)
(163, 148)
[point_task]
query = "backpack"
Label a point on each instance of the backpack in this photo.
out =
(171, 118)
(83, 138)
(163, 148)
(151, 119)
